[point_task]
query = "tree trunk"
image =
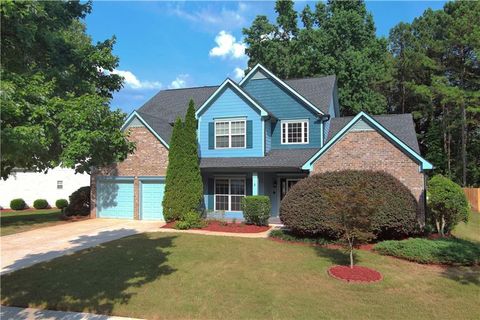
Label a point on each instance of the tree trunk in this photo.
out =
(437, 224)
(464, 145)
(443, 226)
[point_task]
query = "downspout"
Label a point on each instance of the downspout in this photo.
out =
(323, 118)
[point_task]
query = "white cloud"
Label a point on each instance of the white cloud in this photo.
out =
(133, 82)
(210, 15)
(227, 46)
(179, 82)
(238, 73)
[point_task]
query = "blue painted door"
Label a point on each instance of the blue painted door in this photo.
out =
(151, 198)
(115, 199)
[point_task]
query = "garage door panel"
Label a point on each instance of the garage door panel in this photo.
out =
(151, 200)
(115, 199)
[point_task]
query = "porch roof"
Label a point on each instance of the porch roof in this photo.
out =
(282, 159)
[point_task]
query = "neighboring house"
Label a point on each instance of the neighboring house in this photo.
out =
(57, 183)
(257, 137)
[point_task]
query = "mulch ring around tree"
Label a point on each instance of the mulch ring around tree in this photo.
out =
(219, 226)
(357, 274)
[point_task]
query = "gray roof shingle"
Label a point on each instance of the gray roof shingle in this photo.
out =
(161, 127)
(275, 159)
(401, 125)
(172, 103)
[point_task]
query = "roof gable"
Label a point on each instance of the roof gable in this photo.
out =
(260, 72)
(356, 123)
(157, 127)
(235, 88)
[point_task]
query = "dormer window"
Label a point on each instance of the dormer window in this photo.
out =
(230, 133)
(294, 131)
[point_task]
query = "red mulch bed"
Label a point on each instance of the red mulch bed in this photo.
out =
(357, 274)
(229, 227)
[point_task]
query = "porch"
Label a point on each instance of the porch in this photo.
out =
(224, 190)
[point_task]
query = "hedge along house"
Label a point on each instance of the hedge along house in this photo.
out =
(256, 137)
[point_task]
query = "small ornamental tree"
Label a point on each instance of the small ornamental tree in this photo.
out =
(447, 204)
(183, 185)
(352, 216)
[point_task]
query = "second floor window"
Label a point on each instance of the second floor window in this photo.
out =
(294, 131)
(230, 134)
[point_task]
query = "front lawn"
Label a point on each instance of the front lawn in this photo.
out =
(19, 221)
(470, 230)
(185, 276)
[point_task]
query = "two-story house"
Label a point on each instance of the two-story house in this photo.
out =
(256, 137)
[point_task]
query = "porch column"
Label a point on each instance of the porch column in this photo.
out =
(254, 184)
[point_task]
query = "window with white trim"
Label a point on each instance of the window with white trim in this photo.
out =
(230, 134)
(59, 184)
(229, 193)
(294, 131)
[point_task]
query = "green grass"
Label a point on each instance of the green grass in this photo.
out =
(186, 276)
(471, 230)
(20, 221)
(441, 251)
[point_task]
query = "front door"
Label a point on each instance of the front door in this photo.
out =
(286, 184)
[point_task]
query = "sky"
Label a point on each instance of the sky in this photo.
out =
(169, 45)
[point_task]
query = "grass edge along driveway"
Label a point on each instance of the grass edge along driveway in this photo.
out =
(173, 275)
(24, 220)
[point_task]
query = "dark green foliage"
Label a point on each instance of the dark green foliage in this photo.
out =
(61, 203)
(436, 76)
(79, 203)
(40, 204)
(307, 209)
(55, 90)
(286, 235)
(337, 38)
(256, 210)
(438, 251)
(447, 204)
(18, 204)
(183, 185)
(190, 220)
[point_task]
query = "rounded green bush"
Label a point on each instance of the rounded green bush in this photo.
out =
(18, 204)
(79, 203)
(61, 203)
(447, 204)
(256, 210)
(307, 210)
(40, 204)
(190, 220)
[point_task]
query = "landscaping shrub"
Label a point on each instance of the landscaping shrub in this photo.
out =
(40, 204)
(447, 204)
(61, 203)
(307, 210)
(79, 203)
(190, 220)
(18, 204)
(286, 235)
(439, 251)
(256, 210)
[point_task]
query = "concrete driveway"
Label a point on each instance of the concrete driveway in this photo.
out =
(24, 249)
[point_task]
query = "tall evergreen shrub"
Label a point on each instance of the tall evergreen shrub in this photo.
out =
(183, 185)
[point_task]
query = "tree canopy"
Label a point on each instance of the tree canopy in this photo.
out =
(336, 38)
(55, 90)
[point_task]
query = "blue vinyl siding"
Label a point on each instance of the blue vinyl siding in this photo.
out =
(285, 107)
(230, 105)
(151, 197)
(115, 198)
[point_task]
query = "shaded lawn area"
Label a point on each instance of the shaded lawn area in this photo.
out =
(19, 221)
(184, 276)
(470, 230)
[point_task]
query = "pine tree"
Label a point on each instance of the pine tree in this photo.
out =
(173, 183)
(183, 185)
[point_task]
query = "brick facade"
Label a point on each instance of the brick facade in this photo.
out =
(369, 150)
(149, 159)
